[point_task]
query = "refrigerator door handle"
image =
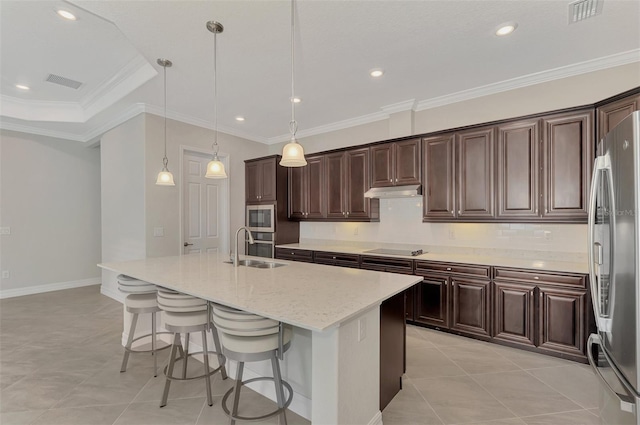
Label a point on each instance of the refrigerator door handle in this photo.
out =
(595, 181)
(627, 403)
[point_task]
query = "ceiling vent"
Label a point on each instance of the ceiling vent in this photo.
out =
(584, 9)
(67, 82)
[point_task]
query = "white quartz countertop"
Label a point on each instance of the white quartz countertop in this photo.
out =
(477, 257)
(309, 296)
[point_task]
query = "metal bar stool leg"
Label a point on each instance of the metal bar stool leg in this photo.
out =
(222, 360)
(207, 378)
(172, 362)
(153, 344)
(125, 359)
(236, 394)
(277, 379)
(186, 355)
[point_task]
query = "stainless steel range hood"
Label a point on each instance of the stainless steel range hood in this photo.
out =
(394, 191)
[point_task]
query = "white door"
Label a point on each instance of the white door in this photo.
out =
(204, 203)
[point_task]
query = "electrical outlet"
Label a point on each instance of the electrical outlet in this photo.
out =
(362, 329)
(355, 231)
(158, 231)
(5, 230)
(5, 274)
(452, 234)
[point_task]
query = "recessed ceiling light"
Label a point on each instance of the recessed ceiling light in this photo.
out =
(22, 87)
(239, 118)
(66, 14)
(506, 29)
(375, 73)
(296, 100)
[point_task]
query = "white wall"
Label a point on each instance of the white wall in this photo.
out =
(401, 220)
(163, 203)
(51, 201)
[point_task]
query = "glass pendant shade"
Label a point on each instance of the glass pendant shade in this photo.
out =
(215, 169)
(293, 155)
(165, 178)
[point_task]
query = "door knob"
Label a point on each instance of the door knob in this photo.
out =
(187, 244)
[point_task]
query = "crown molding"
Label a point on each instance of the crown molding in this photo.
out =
(43, 110)
(40, 131)
(593, 65)
(339, 125)
(407, 105)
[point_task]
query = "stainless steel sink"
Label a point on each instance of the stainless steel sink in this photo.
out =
(258, 264)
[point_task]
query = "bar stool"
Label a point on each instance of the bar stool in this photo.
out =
(141, 298)
(247, 337)
(184, 314)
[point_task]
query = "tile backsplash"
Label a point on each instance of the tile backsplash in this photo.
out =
(401, 223)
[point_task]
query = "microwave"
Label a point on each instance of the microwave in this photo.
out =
(261, 218)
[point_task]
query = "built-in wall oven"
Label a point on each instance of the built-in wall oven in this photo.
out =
(261, 221)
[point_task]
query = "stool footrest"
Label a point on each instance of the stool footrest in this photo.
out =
(257, 418)
(193, 378)
(132, 350)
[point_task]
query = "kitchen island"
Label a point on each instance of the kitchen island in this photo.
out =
(335, 362)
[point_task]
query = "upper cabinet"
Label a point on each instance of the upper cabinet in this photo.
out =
(567, 162)
(260, 180)
(331, 187)
(523, 170)
(611, 113)
(396, 163)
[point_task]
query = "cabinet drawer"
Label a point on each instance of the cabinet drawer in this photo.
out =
(466, 269)
(534, 276)
(294, 254)
(383, 264)
(337, 259)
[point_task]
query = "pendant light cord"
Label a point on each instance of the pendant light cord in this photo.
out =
(165, 160)
(293, 125)
(215, 94)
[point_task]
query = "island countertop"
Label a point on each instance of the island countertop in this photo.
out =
(309, 296)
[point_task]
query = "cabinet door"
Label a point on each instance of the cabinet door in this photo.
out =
(475, 188)
(431, 303)
(518, 168)
(382, 165)
(357, 169)
(409, 303)
(335, 167)
(253, 171)
(298, 192)
(315, 187)
(407, 162)
(471, 307)
(562, 320)
(514, 313)
(439, 187)
(268, 180)
(567, 158)
(610, 115)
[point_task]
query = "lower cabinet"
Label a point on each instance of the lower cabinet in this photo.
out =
(432, 301)
(294, 254)
(562, 320)
(471, 307)
(337, 259)
(514, 313)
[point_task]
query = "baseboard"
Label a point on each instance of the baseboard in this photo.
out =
(377, 419)
(49, 287)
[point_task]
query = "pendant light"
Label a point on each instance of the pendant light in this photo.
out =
(165, 178)
(293, 153)
(215, 167)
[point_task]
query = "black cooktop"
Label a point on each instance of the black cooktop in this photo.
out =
(403, 252)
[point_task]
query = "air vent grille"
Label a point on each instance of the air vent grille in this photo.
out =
(67, 82)
(584, 9)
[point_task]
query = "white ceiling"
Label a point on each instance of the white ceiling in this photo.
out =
(433, 52)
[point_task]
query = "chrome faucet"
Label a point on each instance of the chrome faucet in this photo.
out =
(236, 257)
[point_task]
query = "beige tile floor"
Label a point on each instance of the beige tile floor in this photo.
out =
(449, 379)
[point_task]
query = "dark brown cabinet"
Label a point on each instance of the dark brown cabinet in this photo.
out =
(471, 307)
(518, 169)
(431, 306)
(475, 188)
(514, 313)
(562, 320)
(260, 180)
(337, 259)
(347, 181)
(439, 183)
(292, 254)
(610, 114)
(306, 190)
(396, 163)
(566, 161)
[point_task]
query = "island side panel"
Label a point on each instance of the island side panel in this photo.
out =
(346, 372)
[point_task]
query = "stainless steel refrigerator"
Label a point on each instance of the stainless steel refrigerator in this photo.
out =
(614, 266)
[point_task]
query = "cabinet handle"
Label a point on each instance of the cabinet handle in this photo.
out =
(459, 212)
(293, 253)
(334, 257)
(347, 213)
(448, 269)
(546, 210)
(390, 180)
(532, 292)
(396, 180)
(536, 277)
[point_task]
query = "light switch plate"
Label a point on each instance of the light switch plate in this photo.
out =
(5, 230)
(158, 231)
